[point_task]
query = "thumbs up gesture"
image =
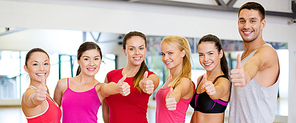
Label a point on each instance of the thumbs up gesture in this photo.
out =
(123, 87)
(171, 103)
(237, 75)
(41, 91)
(147, 85)
(208, 86)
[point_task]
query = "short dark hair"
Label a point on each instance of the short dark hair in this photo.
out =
(255, 6)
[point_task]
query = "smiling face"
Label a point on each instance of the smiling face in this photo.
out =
(209, 57)
(37, 65)
(172, 57)
(135, 50)
(250, 25)
(90, 62)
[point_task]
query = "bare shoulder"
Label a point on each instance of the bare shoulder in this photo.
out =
(198, 79)
(266, 52)
(184, 81)
(152, 76)
(222, 81)
(99, 85)
(268, 57)
(26, 95)
(62, 84)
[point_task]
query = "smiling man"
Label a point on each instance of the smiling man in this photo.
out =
(255, 78)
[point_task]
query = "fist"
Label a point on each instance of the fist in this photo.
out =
(123, 87)
(148, 85)
(171, 103)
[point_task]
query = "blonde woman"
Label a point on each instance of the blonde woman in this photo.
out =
(173, 98)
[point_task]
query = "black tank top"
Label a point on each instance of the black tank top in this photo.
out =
(203, 103)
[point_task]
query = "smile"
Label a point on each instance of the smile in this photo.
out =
(137, 58)
(41, 74)
(208, 64)
(247, 32)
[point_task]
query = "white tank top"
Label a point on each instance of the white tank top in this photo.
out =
(253, 103)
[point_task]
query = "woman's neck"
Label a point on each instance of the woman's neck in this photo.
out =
(81, 78)
(174, 72)
(213, 74)
(130, 70)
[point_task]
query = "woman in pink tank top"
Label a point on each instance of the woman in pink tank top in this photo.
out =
(81, 96)
(36, 103)
(173, 98)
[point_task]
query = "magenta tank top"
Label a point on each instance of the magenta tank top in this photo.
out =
(80, 107)
(163, 115)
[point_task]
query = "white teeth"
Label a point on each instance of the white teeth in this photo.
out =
(40, 74)
(168, 62)
(248, 32)
(207, 63)
(137, 58)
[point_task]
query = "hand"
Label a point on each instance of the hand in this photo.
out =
(171, 103)
(237, 75)
(208, 86)
(123, 87)
(41, 91)
(147, 85)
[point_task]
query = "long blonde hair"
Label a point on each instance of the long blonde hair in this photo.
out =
(182, 44)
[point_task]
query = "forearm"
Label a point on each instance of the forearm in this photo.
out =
(105, 112)
(109, 89)
(220, 92)
(251, 68)
(177, 96)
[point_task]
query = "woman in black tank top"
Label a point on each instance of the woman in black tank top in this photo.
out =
(213, 88)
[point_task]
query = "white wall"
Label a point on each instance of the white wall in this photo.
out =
(119, 17)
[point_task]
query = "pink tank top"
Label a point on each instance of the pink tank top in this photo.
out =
(80, 107)
(163, 115)
(52, 114)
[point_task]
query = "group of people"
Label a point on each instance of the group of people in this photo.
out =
(124, 94)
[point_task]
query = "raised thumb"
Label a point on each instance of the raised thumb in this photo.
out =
(239, 61)
(145, 76)
(169, 94)
(205, 77)
(120, 82)
(43, 80)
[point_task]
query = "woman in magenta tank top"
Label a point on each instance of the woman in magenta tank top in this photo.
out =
(213, 88)
(81, 96)
(173, 98)
(132, 108)
(37, 105)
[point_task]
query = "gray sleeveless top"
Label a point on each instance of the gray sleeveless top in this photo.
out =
(253, 103)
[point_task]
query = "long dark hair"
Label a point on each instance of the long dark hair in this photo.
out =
(140, 74)
(84, 47)
(218, 44)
